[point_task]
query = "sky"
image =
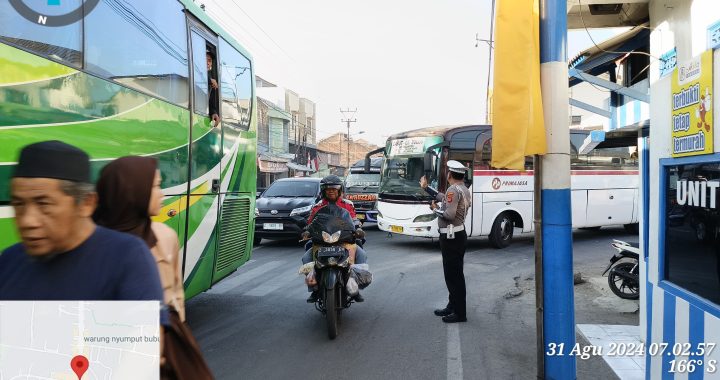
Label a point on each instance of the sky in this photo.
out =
(402, 64)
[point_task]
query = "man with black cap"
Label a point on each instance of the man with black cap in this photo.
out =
(63, 255)
(451, 220)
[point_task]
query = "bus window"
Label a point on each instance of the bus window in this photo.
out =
(235, 86)
(483, 155)
(61, 43)
(152, 54)
(200, 74)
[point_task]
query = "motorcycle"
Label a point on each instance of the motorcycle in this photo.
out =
(624, 268)
(330, 229)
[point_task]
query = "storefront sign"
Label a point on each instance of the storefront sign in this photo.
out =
(713, 35)
(272, 166)
(692, 129)
(409, 146)
(668, 61)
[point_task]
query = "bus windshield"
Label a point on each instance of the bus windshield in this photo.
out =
(401, 175)
(362, 180)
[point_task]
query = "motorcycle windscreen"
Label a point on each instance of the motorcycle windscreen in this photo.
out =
(331, 219)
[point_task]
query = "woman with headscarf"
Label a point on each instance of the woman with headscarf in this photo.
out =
(129, 195)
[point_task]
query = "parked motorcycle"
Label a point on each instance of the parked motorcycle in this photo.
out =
(624, 268)
(330, 229)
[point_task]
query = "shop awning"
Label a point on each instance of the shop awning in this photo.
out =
(600, 58)
(302, 168)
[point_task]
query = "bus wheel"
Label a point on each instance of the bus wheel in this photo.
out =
(502, 231)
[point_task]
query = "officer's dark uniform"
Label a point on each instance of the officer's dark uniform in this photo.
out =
(451, 220)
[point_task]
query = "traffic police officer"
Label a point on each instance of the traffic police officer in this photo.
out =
(451, 220)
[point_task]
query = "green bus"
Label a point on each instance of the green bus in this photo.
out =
(131, 77)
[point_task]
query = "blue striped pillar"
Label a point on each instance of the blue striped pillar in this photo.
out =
(558, 301)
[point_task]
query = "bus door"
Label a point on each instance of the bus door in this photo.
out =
(205, 168)
(462, 149)
(237, 205)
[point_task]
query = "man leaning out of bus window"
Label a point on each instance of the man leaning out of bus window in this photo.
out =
(63, 255)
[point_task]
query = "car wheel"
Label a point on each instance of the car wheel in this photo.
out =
(257, 240)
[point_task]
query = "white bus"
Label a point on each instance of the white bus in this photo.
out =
(604, 183)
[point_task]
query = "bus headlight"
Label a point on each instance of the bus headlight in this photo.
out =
(425, 218)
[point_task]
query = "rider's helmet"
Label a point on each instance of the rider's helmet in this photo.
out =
(331, 181)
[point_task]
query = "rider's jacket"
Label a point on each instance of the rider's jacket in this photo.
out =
(342, 203)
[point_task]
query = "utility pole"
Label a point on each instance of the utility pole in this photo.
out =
(490, 52)
(348, 120)
(554, 176)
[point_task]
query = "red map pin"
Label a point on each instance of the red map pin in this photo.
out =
(79, 365)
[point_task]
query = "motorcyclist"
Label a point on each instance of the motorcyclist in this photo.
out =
(331, 189)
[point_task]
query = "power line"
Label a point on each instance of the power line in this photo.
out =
(224, 25)
(610, 51)
(263, 30)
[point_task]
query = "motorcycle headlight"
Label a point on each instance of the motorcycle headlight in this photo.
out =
(257, 212)
(332, 261)
(301, 210)
(330, 239)
(425, 218)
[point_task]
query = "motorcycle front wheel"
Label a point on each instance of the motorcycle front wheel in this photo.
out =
(622, 280)
(331, 311)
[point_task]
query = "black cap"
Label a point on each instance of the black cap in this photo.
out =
(53, 159)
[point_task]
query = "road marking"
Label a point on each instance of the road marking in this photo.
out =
(279, 280)
(454, 353)
(231, 283)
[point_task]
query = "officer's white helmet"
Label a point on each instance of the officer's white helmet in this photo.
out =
(457, 167)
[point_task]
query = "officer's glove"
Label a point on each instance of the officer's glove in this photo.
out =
(305, 235)
(359, 233)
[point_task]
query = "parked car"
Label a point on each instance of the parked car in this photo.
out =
(282, 210)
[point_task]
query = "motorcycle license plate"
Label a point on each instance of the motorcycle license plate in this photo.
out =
(397, 229)
(332, 251)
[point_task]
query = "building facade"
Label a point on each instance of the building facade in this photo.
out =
(350, 150)
(286, 134)
(681, 294)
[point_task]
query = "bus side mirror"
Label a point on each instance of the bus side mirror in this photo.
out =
(428, 163)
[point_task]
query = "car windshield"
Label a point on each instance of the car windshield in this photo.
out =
(362, 179)
(401, 175)
(292, 189)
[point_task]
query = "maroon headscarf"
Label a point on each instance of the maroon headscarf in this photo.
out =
(124, 190)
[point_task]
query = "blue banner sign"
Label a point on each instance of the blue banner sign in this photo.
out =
(668, 61)
(713, 35)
